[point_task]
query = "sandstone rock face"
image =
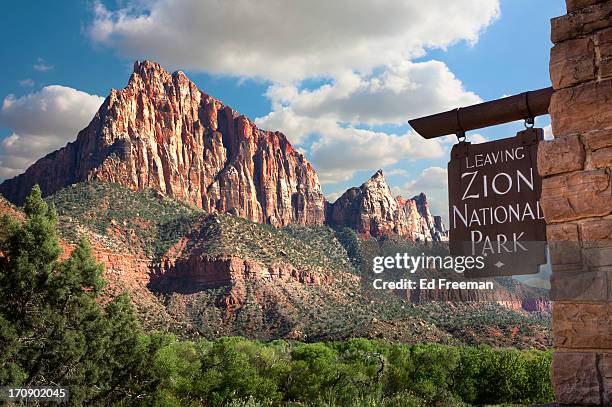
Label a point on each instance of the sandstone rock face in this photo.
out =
(597, 139)
(577, 201)
(575, 195)
(572, 62)
(539, 305)
(563, 154)
(575, 378)
(162, 132)
(372, 210)
(581, 108)
(602, 158)
(573, 5)
(202, 271)
(578, 286)
(584, 22)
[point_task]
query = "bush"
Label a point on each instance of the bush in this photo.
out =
(357, 372)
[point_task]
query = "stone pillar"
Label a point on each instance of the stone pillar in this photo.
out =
(577, 202)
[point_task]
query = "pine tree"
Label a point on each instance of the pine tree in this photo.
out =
(52, 325)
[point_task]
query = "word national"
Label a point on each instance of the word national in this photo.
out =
(490, 215)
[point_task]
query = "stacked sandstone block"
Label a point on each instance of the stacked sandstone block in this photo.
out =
(577, 202)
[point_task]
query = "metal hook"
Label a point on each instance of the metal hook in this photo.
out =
(460, 132)
(460, 136)
(529, 122)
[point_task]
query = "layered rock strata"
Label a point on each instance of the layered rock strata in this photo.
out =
(372, 210)
(162, 132)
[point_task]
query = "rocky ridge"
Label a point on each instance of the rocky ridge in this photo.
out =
(211, 275)
(372, 210)
(162, 132)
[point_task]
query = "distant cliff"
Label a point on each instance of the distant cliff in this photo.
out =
(372, 210)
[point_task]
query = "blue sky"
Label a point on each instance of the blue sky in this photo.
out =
(483, 50)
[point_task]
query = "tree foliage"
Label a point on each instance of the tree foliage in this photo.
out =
(54, 330)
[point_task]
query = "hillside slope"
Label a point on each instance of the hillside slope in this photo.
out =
(200, 274)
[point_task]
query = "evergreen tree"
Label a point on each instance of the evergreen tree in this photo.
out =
(51, 322)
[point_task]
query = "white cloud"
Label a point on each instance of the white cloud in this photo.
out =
(476, 138)
(333, 196)
(338, 158)
(41, 122)
(41, 65)
(284, 40)
(394, 95)
(337, 151)
(396, 171)
(26, 82)
(334, 112)
(433, 181)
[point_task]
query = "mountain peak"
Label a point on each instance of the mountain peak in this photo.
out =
(420, 198)
(378, 174)
(146, 66)
(372, 210)
(162, 132)
(377, 181)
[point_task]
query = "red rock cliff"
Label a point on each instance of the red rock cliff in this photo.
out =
(162, 132)
(372, 210)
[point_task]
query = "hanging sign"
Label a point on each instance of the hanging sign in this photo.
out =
(494, 204)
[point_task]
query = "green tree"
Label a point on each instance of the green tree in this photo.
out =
(51, 322)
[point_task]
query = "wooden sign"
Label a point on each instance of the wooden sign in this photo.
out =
(494, 210)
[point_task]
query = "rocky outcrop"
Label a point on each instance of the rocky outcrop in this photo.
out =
(162, 132)
(198, 271)
(372, 210)
(419, 223)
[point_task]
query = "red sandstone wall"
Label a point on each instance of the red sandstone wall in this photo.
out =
(577, 202)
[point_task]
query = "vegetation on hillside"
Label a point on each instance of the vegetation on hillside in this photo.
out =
(149, 223)
(313, 248)
(145, 219)
(52, 327)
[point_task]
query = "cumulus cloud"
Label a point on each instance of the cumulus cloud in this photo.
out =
(433, 182)
(338, 151)
(42, 122)
(477, 138)
(339, 156)
(548, 134)
(287, 40)
(333, 196)
(336, 113)
(394, 95)
(397, 171)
